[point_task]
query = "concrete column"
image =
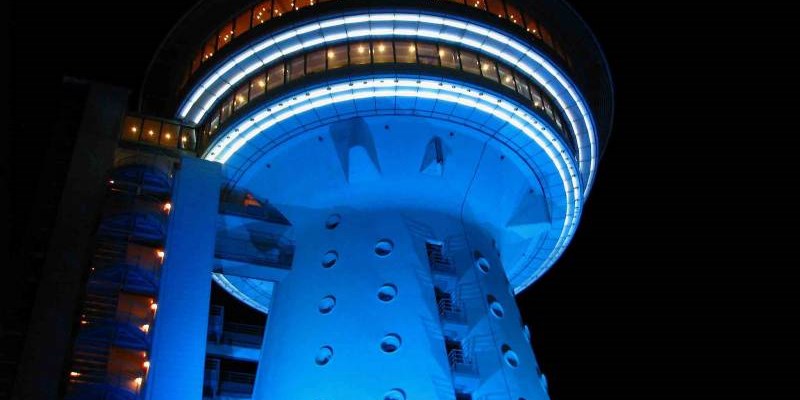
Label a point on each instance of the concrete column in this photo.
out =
(177, 357)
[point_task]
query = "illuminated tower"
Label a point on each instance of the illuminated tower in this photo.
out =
(379, 177)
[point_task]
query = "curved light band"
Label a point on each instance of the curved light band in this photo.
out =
(228, 143)
(443, 29)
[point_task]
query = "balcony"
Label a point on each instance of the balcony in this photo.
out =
(142, 174)
(259, 248)
(233, 340)
(223, 381)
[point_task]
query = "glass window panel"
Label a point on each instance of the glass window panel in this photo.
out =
(151, 129)
(295, 68)
(188, 139)
(242, 23)
(428, 54)
(507, 77)
(337, 56)
(359, 53)
(469, 62)
(262, 12)
(532, 26)
(383, 52)
(214, 125)
(258, 86)
(488, 69)
(282, 7)
(275, 77)
(496, 7)
(225, 35)
(513, 14)
(169, 135)
(405, 52)
(196, 62)
(477, 4)
(227, 109)
(548, 107)
(315, 61)
(448, 57)
(209, 48)
(523, 87)
(131, 128)
(536, 97)
(298, 4)
(241, 97)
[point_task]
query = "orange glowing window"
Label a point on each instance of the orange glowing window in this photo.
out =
(225, 35)
(282, 7)
(131, 128)
(383, 52)
(169, 135)
(496, 7)
(514, 15)
(242, 23)
(532, 26)
(209, 48)
(151, 130)
(262, 13)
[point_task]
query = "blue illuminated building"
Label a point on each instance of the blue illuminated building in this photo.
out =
(379, 178)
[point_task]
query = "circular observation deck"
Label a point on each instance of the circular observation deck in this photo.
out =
(438, 111)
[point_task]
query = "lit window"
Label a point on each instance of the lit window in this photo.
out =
(241, 97)
(406, 52)
(448, 57)
(337, 57)
(496, 7)
(242, 23)
(507, 77)
(383, 52)
(275, 77)
(359, 53)
(282, 7)
(169, 135)
(488, 69)
(188, 139)
(224, 35)
(315, 61)
(296, 68)
(151, 129)
(428, 54)
(131, 128)
(513, 14)
(262, 12)
(258, 86)
(469, 62)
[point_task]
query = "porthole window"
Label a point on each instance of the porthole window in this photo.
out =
(510, 356)
(384, 247)
(333, 221)
(482, 264)
(395, 394)
(326, 305)
(387, 292)
(324, 355)
(329, 259)
(390, 343)
(495, 307)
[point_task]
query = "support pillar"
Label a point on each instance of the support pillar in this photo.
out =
(177, 357)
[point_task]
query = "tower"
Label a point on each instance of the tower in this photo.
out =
(380, 178)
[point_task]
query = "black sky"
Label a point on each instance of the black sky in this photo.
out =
(678, 281)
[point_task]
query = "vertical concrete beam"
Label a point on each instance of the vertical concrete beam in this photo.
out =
(177, 357)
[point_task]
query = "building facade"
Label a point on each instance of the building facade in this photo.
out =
(375, 179)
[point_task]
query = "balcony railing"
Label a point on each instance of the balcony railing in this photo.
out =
(451, 310)
(461, 362)
(261, 248)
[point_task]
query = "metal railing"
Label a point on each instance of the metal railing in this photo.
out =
(451, 310)
(261, 248)
(461, 362)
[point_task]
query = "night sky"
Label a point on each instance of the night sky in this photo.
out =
(676, 284)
